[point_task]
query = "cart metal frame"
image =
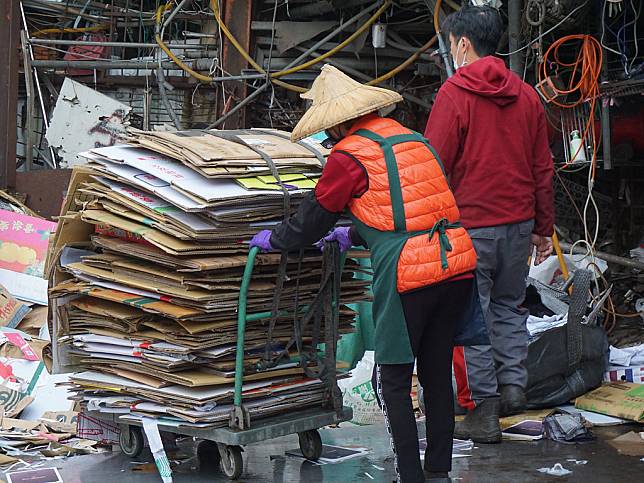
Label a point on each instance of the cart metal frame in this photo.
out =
(225, 443)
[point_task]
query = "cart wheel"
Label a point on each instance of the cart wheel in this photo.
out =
(232, 463)
(208, 455)
(131, 441)
(311, 444)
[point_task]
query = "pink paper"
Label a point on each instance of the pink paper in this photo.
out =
(23, 242)
(17, 340)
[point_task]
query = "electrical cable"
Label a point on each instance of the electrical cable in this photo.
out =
(585, 71)
(622, 41)
(601, 39)
(541, 10)
(259, 69)
(546, 32)
(637, 48)
(584, 80)
(231, 38)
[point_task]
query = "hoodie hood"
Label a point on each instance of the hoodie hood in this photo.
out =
(489, 77)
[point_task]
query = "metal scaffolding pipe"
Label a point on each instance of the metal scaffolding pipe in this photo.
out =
(134, 45)
(198, 64)
(608, 257)
(515, 8)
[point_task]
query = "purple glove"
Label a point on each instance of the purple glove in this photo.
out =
(341, 235)
(262, 240)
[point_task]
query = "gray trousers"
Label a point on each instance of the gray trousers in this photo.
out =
(501, 273)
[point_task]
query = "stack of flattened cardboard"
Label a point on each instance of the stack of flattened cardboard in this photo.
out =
(217, 154)
(146, 270)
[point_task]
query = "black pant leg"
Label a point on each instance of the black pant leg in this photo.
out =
(393, 386)
(441, 306)
(453, 298)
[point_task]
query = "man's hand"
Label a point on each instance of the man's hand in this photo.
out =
(543, 245)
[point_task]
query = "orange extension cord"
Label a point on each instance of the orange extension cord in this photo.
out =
(584, 79)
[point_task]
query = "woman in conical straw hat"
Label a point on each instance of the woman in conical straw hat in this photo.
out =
(388, 180)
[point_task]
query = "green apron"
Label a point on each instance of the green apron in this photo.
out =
(392, 344)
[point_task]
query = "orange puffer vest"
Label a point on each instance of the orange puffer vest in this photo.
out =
(408, 195)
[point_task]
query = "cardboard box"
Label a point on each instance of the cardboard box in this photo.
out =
(625, 374)
(12, 311)
(622, 400)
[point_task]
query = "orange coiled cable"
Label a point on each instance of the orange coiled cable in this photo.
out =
(584, 79)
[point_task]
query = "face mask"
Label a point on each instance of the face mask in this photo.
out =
(455, 61)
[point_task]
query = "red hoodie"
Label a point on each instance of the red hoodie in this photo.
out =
(489, 130)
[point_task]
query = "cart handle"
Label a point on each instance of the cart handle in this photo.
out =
(242, 318)
(241, 324)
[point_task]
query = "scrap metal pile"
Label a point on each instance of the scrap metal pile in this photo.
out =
(147, 268)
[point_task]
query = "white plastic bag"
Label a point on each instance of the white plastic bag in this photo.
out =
(359, 394)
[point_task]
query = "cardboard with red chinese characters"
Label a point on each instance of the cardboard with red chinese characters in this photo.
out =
(23, 242)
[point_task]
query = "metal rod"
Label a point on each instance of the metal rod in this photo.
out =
(608, 257)
(606, 121)
(134, 45)
(29, 87)
(241, 104)
(515, 8)
(160, 74)
(173, 14)
(335, 32)
(164, 94)
(53, 162)
(444, 53)
(118, 64)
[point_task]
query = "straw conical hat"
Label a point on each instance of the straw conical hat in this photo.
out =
(338, 98)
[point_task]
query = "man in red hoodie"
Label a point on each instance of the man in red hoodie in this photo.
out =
(489, 129)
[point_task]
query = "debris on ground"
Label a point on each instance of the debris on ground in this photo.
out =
(568, 428)
(556, 470)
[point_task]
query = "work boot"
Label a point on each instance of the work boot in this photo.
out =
(513, 400)
(481, 424)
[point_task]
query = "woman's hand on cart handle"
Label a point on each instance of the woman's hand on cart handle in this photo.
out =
(341, 235)
(262, 240)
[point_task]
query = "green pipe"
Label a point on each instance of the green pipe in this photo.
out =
(241, 325)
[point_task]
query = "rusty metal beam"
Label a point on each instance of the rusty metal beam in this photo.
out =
(238, 17)
(9, 75)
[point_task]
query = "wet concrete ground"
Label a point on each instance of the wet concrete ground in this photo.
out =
(267, 463)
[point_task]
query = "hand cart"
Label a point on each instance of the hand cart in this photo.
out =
(224, 444)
